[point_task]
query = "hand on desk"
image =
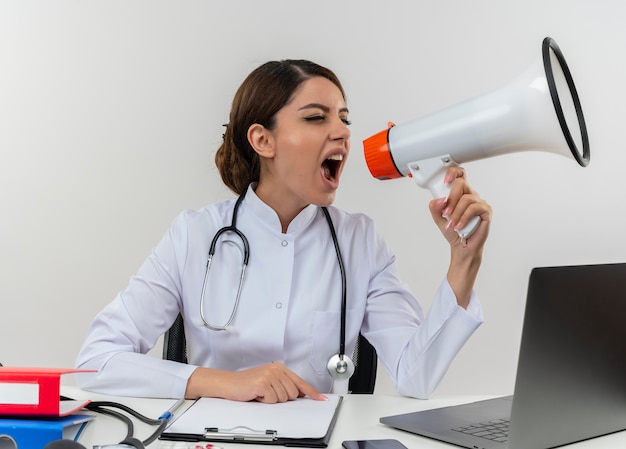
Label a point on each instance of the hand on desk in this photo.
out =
(269, 383)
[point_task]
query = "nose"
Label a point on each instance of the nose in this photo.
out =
(340, 130)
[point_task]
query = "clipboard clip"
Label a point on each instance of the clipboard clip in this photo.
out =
(239, 433)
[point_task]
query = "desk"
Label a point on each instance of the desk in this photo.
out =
(358, 419)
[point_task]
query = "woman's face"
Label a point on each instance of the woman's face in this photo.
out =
(310, 143)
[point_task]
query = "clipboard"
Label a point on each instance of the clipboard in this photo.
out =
(303, 422)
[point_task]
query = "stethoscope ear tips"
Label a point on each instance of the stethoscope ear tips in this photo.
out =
(340, 367)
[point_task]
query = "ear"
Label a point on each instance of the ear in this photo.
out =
(262, 140)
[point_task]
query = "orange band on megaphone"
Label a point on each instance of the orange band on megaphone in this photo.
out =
(378, 157)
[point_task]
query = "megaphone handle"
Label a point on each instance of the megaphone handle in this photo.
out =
(430, 173)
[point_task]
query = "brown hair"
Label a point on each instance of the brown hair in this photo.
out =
(262, 94)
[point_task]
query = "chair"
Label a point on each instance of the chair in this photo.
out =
(365, 361)
(175, 342)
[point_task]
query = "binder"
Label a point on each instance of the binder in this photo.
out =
(303, 422)
(29, 391)
(36, 433)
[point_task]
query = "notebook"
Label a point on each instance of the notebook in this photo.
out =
(571, 375)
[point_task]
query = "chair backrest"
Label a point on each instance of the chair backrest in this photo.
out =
(175, 343)
(365, 360)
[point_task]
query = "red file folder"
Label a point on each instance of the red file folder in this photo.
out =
(27, 391)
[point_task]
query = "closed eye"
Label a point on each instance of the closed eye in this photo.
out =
(321, 117)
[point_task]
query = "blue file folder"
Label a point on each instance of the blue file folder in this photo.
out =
(36, 433)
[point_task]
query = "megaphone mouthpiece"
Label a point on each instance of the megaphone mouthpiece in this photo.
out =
(378, 156)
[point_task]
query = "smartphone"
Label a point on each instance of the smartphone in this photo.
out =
(373, 444)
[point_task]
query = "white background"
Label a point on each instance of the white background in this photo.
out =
(111, 111)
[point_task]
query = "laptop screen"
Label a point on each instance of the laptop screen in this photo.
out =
(572, 363)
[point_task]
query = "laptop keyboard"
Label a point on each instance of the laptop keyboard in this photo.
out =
(496, 430)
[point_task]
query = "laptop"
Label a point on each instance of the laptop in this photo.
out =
(571, 375)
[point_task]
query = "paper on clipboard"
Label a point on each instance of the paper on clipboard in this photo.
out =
(214, 418)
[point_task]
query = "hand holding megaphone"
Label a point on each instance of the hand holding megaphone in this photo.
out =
(539, 110)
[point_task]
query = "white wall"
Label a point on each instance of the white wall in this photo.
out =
(110, 113)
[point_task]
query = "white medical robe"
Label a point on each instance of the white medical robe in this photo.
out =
(289, 311)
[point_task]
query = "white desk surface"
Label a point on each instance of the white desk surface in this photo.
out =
(358, 419)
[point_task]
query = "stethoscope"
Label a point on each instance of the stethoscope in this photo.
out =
(340, 366)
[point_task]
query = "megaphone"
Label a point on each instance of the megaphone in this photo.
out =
(538, 110)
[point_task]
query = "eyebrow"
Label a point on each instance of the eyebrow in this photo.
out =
(322, 107)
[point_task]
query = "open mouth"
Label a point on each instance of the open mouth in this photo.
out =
(330, 167)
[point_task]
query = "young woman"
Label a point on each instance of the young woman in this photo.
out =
(270, 337)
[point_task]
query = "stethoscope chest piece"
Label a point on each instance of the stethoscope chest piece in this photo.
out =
(340, 367)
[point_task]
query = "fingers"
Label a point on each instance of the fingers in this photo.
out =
(279, 384)
(468, 206)
(461, 205)
(452, 173)
(270, 383)
(307, 389)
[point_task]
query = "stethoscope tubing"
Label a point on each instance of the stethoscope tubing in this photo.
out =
(342, 271)
(339, 366)
(246, 258)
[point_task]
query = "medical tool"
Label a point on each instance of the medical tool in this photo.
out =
(340, 366)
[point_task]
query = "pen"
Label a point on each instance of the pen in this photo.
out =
(169, 413)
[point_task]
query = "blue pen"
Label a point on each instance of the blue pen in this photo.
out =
(169, 413)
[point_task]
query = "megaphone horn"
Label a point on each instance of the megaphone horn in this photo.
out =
(539, 110)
